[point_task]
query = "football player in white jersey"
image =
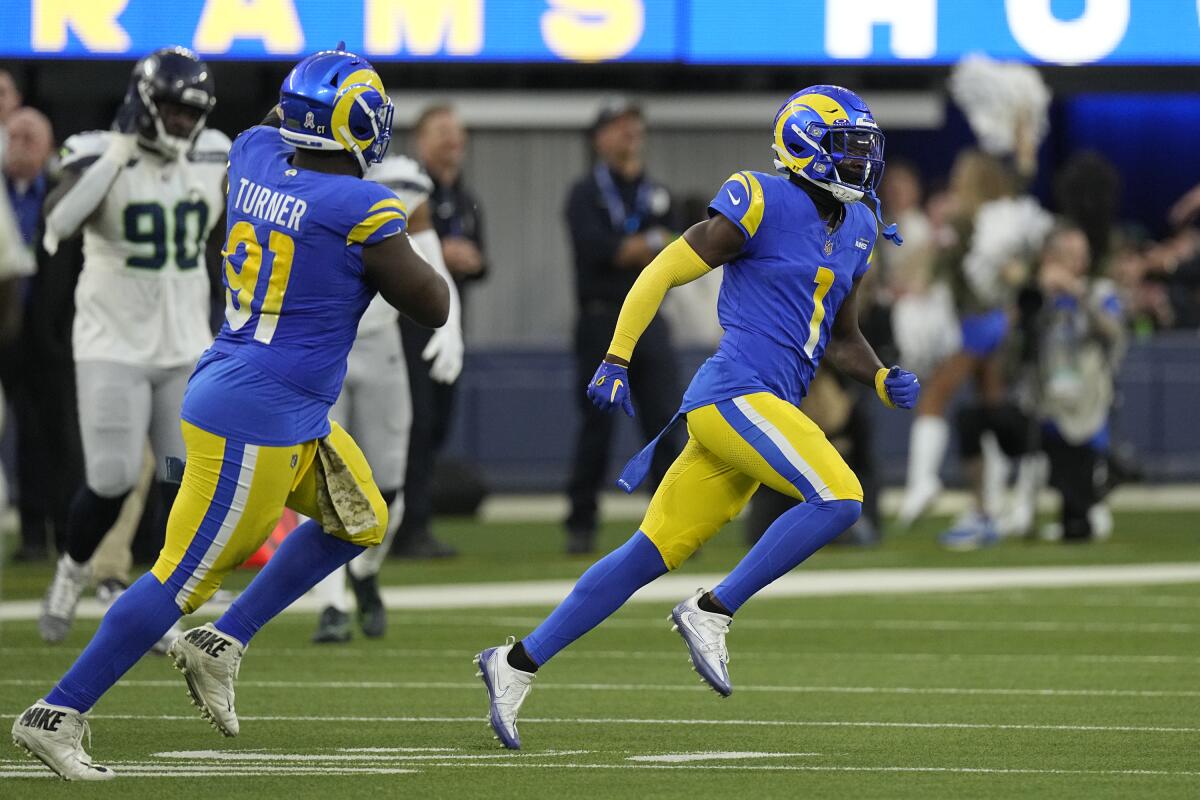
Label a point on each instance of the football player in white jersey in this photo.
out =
(146, 195)
(375, 406)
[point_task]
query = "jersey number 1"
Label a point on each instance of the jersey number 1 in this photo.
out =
(242, 295)
(824, 281)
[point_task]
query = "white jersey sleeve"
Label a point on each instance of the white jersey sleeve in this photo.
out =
(143, 296)
(405, 177)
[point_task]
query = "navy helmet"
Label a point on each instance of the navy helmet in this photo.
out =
(170, 74)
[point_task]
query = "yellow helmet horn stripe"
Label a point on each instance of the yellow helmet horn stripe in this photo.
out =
(828, 109)
(353, 87)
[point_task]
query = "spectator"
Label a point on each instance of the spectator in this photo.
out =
(30, 143)
(10, 96)
(617, 218)
(1080, 338)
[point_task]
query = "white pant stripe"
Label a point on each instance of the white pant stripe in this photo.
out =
(789, 452)
(232, 517)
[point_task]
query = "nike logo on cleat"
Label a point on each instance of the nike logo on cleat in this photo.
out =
(44, 718)
(208, 642)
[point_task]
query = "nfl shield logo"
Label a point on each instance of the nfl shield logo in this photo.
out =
(828, 247)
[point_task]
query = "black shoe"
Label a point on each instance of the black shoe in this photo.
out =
(372, 616)
(333, 627)
(581, 542)
(424, 548)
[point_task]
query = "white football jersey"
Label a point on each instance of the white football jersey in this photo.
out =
(143, 296)
(405, 177)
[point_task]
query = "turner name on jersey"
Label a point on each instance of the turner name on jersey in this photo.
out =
(143, 296)
(269, 205)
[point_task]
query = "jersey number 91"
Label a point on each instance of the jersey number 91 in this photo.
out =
(251, 290)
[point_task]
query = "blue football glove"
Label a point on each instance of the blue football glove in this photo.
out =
(897, 388)
(610, 387)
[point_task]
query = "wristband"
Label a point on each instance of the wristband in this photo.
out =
(881, 389)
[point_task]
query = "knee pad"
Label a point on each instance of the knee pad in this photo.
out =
(111, 477)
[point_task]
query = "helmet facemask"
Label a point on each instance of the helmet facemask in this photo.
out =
(158, 138)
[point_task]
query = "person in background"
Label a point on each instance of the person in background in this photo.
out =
(27, 152)
(10, 96)
(1081, 338)
(435, 357)
(617, 218)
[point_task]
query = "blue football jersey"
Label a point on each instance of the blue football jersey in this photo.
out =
(294, 292)
(779, 297)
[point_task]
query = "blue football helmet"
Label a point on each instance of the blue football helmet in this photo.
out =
(826, 135)
(334, 100)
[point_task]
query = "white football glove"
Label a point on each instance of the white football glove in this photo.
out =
(445, 348)
(122, 147)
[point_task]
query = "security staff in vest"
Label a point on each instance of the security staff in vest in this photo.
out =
(618, 220)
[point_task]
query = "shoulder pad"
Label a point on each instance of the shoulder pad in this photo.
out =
(404, 176)
(88, 146)
(211, 145)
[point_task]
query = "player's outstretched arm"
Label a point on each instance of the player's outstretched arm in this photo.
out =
(854, 357)
(407, 281)
(703, 246)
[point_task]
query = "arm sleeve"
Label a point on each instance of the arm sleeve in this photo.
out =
(740, 199)
(676, 265)
(429, 246)
(74, 207)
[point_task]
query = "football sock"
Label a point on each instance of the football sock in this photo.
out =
(519, 659)
(330, 592)
(138, 619)
(601, 590)
(89, 518)
(712, 605)
(927, 448)
(306, 556)
(797, 534)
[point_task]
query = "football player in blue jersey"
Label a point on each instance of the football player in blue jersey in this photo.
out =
(309, 243)
(795, 247)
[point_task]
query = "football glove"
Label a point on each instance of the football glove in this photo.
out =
(445, 352)
(897, 388)
(610, 387)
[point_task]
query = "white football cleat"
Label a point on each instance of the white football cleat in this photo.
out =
(209, 661)
(704, 634)
(54, 735)
(61, 598)
(507, 688)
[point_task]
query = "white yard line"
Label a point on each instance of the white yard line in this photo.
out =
(159, 770)
(788, 723)
(670, 687)
(801, 583)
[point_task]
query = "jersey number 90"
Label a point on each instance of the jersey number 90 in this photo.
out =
(147, 224)
(248, 289)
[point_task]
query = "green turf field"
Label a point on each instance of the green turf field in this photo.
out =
(1071, 693)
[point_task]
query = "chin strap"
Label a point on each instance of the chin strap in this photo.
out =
(890, 232)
